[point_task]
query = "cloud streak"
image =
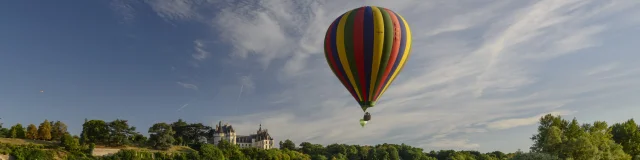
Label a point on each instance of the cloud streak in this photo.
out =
(125, 9)
(185, 105)
(200, 54)
(516, 122)
(187, 85)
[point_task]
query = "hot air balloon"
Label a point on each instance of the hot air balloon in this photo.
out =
(366, 48)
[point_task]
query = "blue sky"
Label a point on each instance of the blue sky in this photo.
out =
(480, 75)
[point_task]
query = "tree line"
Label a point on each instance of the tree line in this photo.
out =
(47, 130)
(556, 138)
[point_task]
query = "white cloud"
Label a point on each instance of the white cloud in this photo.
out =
(472, 68)
(187, 85)
(516, 122)
(601, 69)
(176, 9)
(454, 144)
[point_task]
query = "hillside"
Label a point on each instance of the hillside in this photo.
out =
(16, 141)
(98, 150)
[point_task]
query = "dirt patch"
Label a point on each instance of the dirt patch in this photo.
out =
(5, 157)
(104, 151)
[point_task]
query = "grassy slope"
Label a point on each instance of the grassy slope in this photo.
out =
(99, 151)
(16, 141)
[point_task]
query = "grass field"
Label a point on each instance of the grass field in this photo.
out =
(26, 141)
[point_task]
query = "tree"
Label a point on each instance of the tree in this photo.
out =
(600, 137)
(559, 138)
(230, 151)
(32, 132)
(209, 151)
(17, 131)
(498, 154)
(4, 132)
(44, 130)
(393, 153)
(192, 133)
(58, 130)
(546, 122)
(138, 139)
(288, 144)
(178, 127)
(69, 143)
(534, 156)
(628, 135)
(94, 131)
(161, 136)
(373, 154)
(119, 132)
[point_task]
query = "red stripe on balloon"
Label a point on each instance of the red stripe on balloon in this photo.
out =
(358, 48)
(397, 38)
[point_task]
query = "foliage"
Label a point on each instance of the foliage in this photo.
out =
(187, 134)
(94, 131)
(17, 131)
(161, 136)
(119, 132)
(138, 139)
(570, 140)
(627, 134)
(69, 143)
(58, 130)
(288, 144)
(28, 152)
(44, 130)
(555, 139)
(534, 156)
(208, 151)
(4, 132)
(32, 132)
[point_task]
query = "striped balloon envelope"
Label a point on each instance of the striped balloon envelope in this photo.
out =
(366, 48)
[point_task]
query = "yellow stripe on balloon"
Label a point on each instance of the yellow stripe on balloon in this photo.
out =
(342, 53)
(378, 39)
(405, 56)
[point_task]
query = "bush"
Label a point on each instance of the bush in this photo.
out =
(209, 151)
(69, 143)
(77, 156)
(30, 152)
(534, 156)
(90, 149)
(129, 154)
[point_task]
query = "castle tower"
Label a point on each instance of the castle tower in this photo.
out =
(224, 132)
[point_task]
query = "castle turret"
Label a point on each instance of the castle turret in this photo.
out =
(224, 132)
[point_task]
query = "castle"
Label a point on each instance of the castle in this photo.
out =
(261, 139)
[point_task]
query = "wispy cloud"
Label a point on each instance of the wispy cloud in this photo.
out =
(185, 105)
(601, 69)
(176, 9)
(516, 122)
(125, 9)
(468, 74)
(187, 85)
(454, 144)
(200, 54)
(246, 84)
